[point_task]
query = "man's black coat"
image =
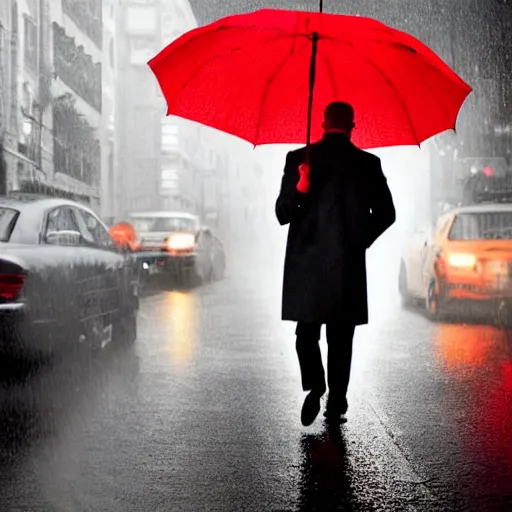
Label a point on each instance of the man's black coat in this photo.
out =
(347, 208)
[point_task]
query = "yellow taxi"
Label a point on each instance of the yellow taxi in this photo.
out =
(466, 258)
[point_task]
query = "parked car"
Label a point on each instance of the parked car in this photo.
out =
(466, 259)
(62, 279)
(176, 246)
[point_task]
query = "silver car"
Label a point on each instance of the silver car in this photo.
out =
(176, 246)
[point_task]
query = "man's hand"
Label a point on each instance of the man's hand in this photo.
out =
(303, 184)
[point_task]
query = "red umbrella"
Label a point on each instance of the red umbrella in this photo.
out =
(251, 75)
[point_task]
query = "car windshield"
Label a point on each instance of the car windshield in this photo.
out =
(8, 218)
(159, 224)
(482, 226)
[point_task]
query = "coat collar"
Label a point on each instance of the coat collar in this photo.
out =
(333, 134)
(337, 137)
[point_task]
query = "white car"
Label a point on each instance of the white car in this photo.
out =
(177, 246)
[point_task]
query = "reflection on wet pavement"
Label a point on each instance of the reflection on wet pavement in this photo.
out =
(203, 414)
(326, 472)
(176, 315)
(466, 349)
(42, 412)
(477, 364)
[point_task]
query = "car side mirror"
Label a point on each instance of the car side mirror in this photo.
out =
(69, 237)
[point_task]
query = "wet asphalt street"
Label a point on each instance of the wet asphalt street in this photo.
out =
(202, 414)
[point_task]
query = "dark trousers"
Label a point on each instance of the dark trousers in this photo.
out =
(339, 357)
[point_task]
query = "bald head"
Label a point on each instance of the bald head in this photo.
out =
(339, 116)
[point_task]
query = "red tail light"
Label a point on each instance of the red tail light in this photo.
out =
(10, 286)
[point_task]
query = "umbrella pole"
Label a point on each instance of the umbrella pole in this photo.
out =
(321, 5)
(312, 73)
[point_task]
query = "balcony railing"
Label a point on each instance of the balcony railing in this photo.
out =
(76, 68)
(77, 151)
(88, 17)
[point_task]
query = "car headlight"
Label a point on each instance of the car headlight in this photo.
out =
(181, 242)
(462, 260)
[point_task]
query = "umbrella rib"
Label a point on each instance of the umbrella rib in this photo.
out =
(440, 101)
(427, 61)
(266, 90)
(210, 60)
(398, 97)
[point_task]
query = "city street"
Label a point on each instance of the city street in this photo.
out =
(203, 414)
(199, 141)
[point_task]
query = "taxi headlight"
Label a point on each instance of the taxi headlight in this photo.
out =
(181, 242)
(462, 260)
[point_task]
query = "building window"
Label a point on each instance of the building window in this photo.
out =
(141, 20)
(170, 138)
(169, 181)
(142, 49)
(30, 41)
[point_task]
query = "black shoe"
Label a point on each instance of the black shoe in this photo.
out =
(336, 408)
(310, 408)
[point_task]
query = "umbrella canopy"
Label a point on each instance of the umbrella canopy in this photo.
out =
(124, 235)
(251, 75)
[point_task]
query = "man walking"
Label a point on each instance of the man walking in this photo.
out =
(337, 206)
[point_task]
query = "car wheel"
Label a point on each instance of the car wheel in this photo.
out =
(504, 315)
(434, 303)
(405, 297)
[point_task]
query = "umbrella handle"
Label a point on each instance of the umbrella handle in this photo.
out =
(312, 74)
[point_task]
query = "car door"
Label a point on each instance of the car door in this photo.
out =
(433, 247)
(426, 252)
(102, 290)
(62, 270)
(413, 259)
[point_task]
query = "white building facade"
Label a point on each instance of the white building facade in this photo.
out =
(77, 107)
(166, 163)
(59, 93)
